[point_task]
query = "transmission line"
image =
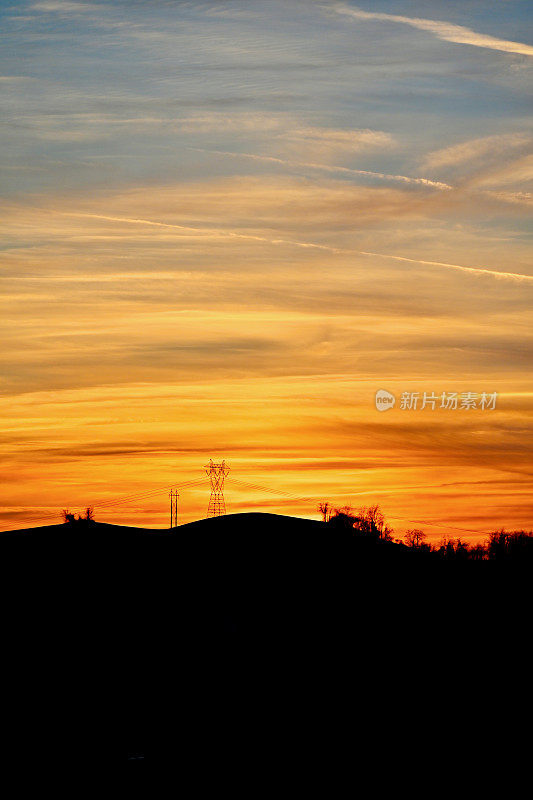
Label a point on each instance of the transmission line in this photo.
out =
(216, 505)
(144, 495)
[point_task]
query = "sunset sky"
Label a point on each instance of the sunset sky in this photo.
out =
(226, 225)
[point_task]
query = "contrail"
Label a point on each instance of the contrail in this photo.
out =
(445, 31)
(208, 232)
(328, 168)
(515, 276)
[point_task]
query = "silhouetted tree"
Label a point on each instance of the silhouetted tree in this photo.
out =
(326, 510)
(387, 533)
(449, 549)
(461, 550)
(343, 518)
(498, 545)
(375, 520)
(520, 545)
(68, 517)
(364, 522)
(414, 537)
(503, 545)
(477, 552)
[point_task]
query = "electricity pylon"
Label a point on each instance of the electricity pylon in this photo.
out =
(173, 507)
(216, 474)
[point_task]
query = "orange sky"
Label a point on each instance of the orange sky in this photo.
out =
(243, 285)
(128, 378)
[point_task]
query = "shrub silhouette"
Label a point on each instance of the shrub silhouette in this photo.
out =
(72, 519)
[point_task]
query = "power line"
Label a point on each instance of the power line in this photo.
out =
(105, 504)
(435, 524)
(216, 494)
(268, 489)
(134, 496)
(308, 499)
(145, 494)
(46, 517)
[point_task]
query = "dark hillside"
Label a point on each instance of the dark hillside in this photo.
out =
(173, 612)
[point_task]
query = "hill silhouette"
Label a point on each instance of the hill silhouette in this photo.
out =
(174, 612)
(255, 573)
(246, 572)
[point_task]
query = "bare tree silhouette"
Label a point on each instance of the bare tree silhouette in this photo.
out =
(414, 537)
(326, 510)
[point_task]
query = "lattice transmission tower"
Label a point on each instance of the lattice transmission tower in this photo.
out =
(216, 474)
(173, 507)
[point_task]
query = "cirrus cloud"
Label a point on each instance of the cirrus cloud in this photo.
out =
(475, 149)
(445, 31)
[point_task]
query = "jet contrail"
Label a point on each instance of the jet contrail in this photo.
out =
(446, 31)
(515, 276)
(329, 168)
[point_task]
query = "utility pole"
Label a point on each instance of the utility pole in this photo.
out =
(216, 474)
(173, 507)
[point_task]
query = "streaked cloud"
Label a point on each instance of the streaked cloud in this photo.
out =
(331, 144)
(302, 165)
(345, 139)
(520, 198)
(476, 149)
(445, 31)
(226, 234)
(507, 173)
(64, 6)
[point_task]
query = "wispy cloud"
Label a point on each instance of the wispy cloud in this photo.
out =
(64, 6)
(86, 126)
(234, 122)
(14, 78)
(518, 171)
(308, 245)
(475, 149)
(515, 276)
(331, 168)
(445, 31)
(520, 198)
(331, 140)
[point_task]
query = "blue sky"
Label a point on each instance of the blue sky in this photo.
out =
(90, 87)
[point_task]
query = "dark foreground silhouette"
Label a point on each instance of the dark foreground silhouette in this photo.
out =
(189, 619)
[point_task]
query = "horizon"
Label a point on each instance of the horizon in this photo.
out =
(238, 230)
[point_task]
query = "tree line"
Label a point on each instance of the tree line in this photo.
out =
(369, 521)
